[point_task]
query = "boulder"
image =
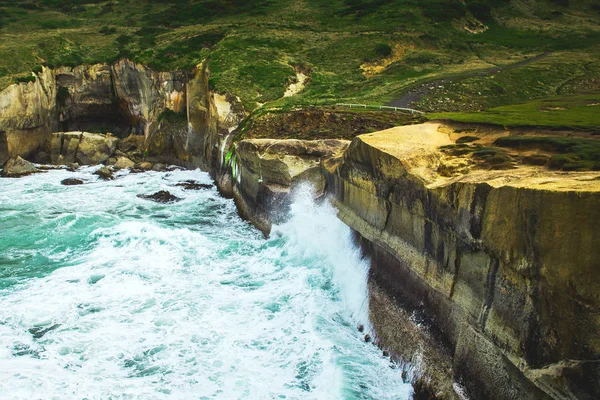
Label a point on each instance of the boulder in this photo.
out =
(160, 197)
(105, 173)
(95, 148)
(159, 167)
(193, 185)
(63, 147)
(132, 144)
(17, 167)
(124, 162)
(145, 166)
(71, 182)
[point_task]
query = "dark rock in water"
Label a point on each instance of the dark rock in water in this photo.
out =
(161, 197)
(21, 349)
(386, 353)
(361, 328)
(193, 185)
(105, 173)
(71, 182)
(39, 331)
(367, 338)
(73, 167)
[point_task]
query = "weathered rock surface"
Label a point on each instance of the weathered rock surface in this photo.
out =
(105, 173)
(17, 167)
(144, 166)
(503, 262)
(95, 148)
(126, 99)
(267, 171)
(62, 147)
(124, 163)
(161, 196)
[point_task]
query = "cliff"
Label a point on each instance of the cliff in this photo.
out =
(503, 264)
(175, 112)
(266, 172)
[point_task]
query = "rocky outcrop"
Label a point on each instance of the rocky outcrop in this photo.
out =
(266, 172)
(502, 263)
(174, 112)
(81, 147)
(124, 163)
(25, 114)
(17, 167)
(62, 147)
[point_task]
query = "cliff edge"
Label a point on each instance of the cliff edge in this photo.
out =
(503, 263)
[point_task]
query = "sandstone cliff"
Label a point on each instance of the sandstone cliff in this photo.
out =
(175, 112)
(503, 263)
(266, 172)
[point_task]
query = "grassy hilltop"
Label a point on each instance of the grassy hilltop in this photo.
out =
(453, 56)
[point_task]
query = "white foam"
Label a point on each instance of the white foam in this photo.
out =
(182, 300)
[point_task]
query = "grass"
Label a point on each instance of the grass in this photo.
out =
(570, 111)
(253, 46)
(555, 152)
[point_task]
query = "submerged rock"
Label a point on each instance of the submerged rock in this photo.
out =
(17, 167)
(105, 173)
(71, 182)
(39, 331)
(193, 185)
(160, 197)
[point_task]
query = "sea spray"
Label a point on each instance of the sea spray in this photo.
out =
(315, 231)
(107, 295)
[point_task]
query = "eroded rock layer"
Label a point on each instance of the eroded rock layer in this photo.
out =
(503, 263)
(174, 112)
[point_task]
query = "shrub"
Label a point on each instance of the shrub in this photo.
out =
(123, 40)
(466, 139)
(445, 10)
(25, 79)
(62, 95)
(108, 30)
(382, 50)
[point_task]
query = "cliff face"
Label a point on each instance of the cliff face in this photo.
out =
(174, 111)
(266, 172)
(504, 263)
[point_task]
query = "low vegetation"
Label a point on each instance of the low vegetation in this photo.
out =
(510, 63)
(507, 152)
(252, 46)
(567, 111)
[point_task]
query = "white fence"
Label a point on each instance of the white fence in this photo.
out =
(379, 107)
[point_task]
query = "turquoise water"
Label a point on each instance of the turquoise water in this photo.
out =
(106, 295)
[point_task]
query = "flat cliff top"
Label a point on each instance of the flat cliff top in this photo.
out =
(437, 155)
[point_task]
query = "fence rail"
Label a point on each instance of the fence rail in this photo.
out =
(379, 107)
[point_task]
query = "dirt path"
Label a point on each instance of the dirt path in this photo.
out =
(416, 93)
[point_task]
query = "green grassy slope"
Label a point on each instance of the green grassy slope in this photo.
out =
(253, 46)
